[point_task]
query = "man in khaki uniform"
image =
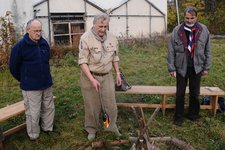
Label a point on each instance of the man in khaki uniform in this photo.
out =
(98, 54)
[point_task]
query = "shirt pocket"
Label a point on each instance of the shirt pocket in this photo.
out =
(110, 52)
(96, 55)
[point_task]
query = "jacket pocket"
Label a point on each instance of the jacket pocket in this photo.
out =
(179, 61)
(200, 47)
(179, 47)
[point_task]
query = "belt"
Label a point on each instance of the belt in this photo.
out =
(99, 74)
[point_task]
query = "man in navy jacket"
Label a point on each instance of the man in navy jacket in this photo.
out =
(29, 64)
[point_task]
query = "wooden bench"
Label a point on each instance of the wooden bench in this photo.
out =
(165, 91)
(11, 111)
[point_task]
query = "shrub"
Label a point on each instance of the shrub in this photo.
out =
(7, 38)
(58, 52)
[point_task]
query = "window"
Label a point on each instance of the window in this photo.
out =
(67, 28)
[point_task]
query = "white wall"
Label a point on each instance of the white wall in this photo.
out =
(139, 21)
(138, 7)
(42, 9)
(66, 6)
(161, 4)
(22, 12)
(118, 26)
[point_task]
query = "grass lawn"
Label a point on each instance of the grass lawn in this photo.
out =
(142, 64)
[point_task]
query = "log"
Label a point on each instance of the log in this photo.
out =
(178, 143)
(88, 148)
(150, 119)
(143, 139)
(100, 144)
(181, 144)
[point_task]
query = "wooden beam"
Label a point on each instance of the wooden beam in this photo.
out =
(170, 106)
(14, 130)
(1, 145)
(13, 110)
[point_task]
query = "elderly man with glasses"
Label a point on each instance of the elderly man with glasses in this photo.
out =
(29, 64)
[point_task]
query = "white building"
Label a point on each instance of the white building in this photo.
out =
(64, 21)
(22, 11)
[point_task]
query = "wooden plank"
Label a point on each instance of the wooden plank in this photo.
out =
(11, 111)
(213, 92)
(170, 106)
(139, 105)
(170, 90)
(14, 130)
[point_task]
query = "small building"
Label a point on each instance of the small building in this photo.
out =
(65, 21)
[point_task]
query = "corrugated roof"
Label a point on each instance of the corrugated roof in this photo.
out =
(113, 4)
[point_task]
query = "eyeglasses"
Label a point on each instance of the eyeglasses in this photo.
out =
(36, 31)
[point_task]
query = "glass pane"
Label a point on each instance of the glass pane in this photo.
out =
(60, 29)
(77, 27)
(62, 40)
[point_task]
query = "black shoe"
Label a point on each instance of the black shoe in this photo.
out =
(33, 139)
(193, 118)
(178, 122)
(49, 132)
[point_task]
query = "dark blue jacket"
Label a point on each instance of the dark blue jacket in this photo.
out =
(29, 64)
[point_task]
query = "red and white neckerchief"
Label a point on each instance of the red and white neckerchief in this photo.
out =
(191, 40)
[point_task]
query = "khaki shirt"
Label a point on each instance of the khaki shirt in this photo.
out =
(98, 56)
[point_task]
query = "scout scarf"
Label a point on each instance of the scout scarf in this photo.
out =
(101, 39)
(191, 39)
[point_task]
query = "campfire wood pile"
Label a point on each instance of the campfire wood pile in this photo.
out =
(143, 141)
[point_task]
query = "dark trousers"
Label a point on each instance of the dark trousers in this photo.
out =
(194, 91)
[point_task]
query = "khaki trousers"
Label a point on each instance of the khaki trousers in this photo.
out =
(94, 103)
(39, 110)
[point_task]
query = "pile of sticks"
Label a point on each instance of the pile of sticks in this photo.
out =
(143, 141)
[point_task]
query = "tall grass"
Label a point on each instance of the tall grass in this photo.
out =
(142, 64)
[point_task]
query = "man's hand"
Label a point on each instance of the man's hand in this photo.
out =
(205, 72)
(173, 74)
(96, 84)
(118, 80)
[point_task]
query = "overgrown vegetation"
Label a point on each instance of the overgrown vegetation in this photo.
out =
(210, 12)
(143, 64)
(7, 38)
